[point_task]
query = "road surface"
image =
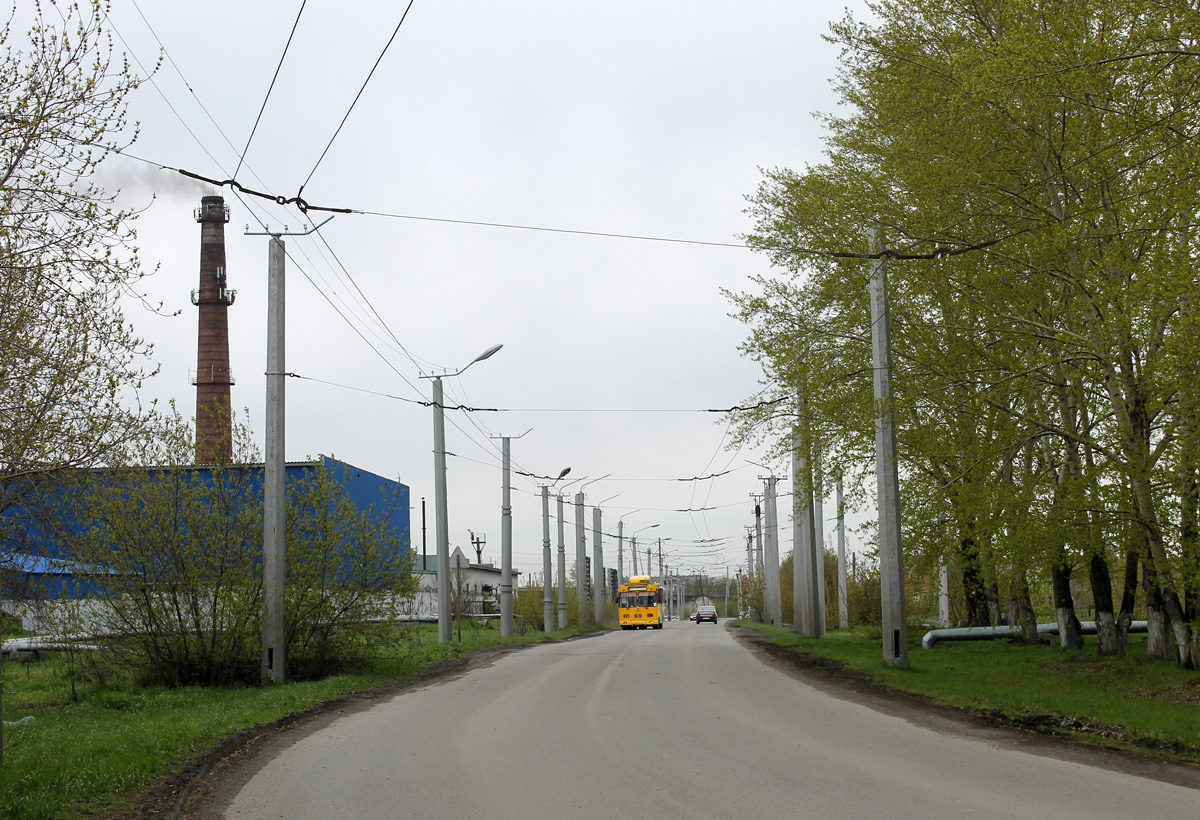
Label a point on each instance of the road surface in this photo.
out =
(683, 722)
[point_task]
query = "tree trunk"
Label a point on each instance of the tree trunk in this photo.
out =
(1129, 593)
(993, 603)
(1158, 632)
(1111, 636)
(1069, 634)
(1022, 608)
(973, 584)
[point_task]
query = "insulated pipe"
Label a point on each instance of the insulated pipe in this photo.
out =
(988, 633)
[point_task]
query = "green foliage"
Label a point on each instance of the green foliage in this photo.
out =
(177, 552)
(68, 358)
(348, 577)
(178, 557)
(1025, 164)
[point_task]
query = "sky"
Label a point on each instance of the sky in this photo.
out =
(492, 147)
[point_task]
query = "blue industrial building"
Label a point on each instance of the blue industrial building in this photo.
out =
(38, 562)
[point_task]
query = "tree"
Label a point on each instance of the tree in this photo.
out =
(1030, 163)
(348, 575)
(176, 550)
(67, 355)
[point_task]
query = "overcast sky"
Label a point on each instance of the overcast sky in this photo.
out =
(646, 118)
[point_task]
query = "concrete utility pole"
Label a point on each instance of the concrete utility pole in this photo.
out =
(772, 601)
(944, 595)
(660, 561)
(804, 568)
(506, 583)
(274, 661)
(620, 552)
(441, 511)
(441, 517)
(580, 560)
(843, 603)
(274, 641)
(562, 568)
(599, 594)
(891, 553)
(547, 576)
(819, 541)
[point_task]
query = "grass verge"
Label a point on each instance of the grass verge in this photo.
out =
(1131, 702)
(96, 740)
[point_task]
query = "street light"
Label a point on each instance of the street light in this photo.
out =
(441, 515)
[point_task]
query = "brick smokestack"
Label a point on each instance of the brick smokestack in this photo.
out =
(214, 431)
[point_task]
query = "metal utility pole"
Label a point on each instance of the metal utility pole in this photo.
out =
(424, 556)
(633, 551)
(843, 603)
(547, 597)
(562, 568)
(660, 561)
(773, 602)
(478, 541)
(599, 593)
(758, 535)
(580, 560)
(891, 554)
(274, 641)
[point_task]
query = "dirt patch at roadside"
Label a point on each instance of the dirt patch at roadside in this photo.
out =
(1036, 733)
(201, 790)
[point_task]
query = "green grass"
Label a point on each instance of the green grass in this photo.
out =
(1130, 702)
(98, 739)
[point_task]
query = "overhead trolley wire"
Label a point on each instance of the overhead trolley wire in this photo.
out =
(403, 17)
(271, 87)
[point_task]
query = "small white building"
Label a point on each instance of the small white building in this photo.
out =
(479, 583)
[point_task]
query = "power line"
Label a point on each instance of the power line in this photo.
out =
(403, 17)
(545, 229)
(275, 77)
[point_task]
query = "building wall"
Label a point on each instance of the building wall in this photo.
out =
(30, 538)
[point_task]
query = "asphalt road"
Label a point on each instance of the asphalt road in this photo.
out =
(682, 722)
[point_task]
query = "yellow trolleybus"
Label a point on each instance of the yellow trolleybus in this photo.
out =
(639, 605)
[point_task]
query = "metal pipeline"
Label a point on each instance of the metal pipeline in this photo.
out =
(989, 633)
